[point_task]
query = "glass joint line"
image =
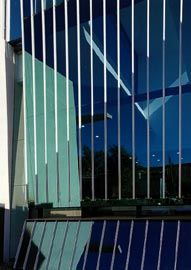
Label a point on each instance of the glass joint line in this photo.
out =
(75, 245)
(63, 244)
(67, 94)
(129, 246)
(87, 249)
(163, 99)
(105, 98)
(160, 246)
(29, 246)
(51, 244)
(180, 103)
(101, 245)
(145, 244)
(92, 99)
(115, 244)
(24, 94)
(118, 100)
(177, 245)
(19, 246)
(148, 99)
(79, 96)
(44, 93)
(34, 98)
(133, 99)
(39, 248)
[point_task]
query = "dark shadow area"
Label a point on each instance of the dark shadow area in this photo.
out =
(32, 253)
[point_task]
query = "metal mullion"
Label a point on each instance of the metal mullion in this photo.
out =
(62, 247)
(34, 100)
(24, 96)
(148, 99)
(115, 244)
(92, 99)
(67, 95)
(133, 96)
(56, 98)
(29, 246)
(180, 103)
(177, 245)
(39, 248)
(129, 245)
(163, 99)
(87, 248)
(79, 97)
(19, 246)
(160, 246)
(118, 100)
(144, 245)
(101, 245)
(105, 98)
(44, 92)
(75, 245)
(51, 245)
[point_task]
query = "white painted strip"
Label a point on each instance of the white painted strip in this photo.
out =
(56, 100)
(87, 248)
(133, 95)
(129, 245)
(55, 75)
(164, 20)
(8, 21)
(148, 99)
(163, 99)
(180, 102)
(67, 69)
(144, 245)
(105, 97)
(101, 245)
(115, 244)
(44, 93)
(24, 93)
(118, 100)
(79, 96)
(44, 77)
(34, 98)
(67, 95)
(92, 99)
(177, 245)
(160, 246)
(148, 28)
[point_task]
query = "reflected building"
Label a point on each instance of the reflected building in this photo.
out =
(100, 108)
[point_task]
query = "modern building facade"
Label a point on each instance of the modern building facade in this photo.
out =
(95, 113)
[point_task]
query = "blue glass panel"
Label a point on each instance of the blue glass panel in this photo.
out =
(168, 245)
(108, 243)
(94, 245)
(152, 247)
(15, 20)
(137, 245)
(184, 260)
(122, 245)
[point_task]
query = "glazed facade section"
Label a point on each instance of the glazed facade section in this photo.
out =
(106, 100)
(103, 244)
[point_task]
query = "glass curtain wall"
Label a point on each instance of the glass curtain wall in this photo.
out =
(107, 100)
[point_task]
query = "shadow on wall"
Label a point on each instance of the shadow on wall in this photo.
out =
(29, 253)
